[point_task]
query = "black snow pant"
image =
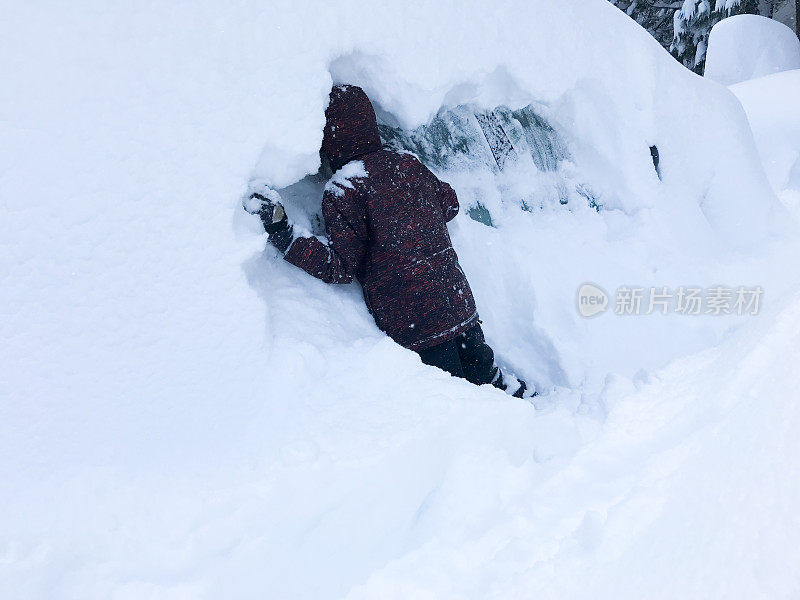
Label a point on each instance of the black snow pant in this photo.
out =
(469, 357)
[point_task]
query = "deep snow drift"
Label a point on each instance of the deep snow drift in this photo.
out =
(772, 108)
(185, 416)
(745, 47)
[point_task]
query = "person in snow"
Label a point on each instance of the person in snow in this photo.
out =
(386, 215)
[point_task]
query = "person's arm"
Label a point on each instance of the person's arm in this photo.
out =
(338, 260)
(448, 200)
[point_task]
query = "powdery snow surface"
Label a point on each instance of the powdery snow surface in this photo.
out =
(745, 47)
(182, 415)
(772, 108)
(341, 179)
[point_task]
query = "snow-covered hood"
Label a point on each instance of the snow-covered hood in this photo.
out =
(351, 129)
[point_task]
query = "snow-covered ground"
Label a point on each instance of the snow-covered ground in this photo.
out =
(182, 415)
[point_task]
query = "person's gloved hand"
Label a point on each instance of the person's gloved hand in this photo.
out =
(266, 203)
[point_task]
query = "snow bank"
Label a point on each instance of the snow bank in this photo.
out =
(771, 106)
(182, 415)
(745, 47)
(683, 493)
(610, 101)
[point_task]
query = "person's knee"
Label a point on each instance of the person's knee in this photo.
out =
(474, 349)
(478, 361)
(480, 355)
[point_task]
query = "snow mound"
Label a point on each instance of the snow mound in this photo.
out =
(554, 170)
(184, 415)
(745, 47)
(771, 106)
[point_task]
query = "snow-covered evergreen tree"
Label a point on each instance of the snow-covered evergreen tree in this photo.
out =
(655, 17)
(695, 18)
(683, 26)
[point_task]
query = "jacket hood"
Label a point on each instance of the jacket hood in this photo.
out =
(351, 129)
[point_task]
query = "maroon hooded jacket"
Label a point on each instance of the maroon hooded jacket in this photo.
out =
(386, 216)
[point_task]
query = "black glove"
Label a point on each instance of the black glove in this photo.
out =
(271, 212)
(268, 207)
